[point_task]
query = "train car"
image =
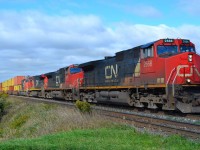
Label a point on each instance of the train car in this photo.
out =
(62, 83)
(161, 74)
(60, 77)
(17, 84)
(12, 85)
(68, 81)
(26, 84)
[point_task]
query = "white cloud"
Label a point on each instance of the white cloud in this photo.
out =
(34, 43)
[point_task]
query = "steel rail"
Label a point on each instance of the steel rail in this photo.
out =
(182, 129)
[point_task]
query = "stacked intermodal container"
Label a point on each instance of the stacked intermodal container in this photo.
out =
(13, 85)
(18, 80)
(10, 86)
(1, 87)
(17, 84)
(4, 86)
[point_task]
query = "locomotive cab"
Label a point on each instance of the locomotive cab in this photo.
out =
(148, 63)
(178, 69)
(174, 66)
(74, 76)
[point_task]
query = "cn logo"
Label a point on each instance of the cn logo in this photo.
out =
(191, 71)
(111, 71)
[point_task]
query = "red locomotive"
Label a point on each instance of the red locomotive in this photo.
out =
(162, 74)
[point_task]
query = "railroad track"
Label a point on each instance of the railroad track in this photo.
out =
(156, 124)
(161, 123)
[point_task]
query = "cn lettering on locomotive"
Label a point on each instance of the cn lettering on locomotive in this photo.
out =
(198, 73)
(111, 71)
(184, 67)
(187, 71)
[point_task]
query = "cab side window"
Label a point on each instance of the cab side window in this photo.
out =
(75, 70)
(147, 52)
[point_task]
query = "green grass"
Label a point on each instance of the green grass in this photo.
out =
(28, 125)
(116, 138)
(25, 119)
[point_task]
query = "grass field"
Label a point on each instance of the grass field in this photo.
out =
(25, 119)
(115, 138)
(29, 125)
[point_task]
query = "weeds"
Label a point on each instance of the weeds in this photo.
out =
(18, 122)
(29, 120)
(49, 106)
(3, 103)
(83, 106)
(3, 95)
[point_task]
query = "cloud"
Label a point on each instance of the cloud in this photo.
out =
(34, 43)
(191, 6)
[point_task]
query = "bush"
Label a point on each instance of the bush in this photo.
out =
(3, 103)
(3, 95)
(83, 106)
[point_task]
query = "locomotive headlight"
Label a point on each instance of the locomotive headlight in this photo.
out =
(190, 58)
(188, 80)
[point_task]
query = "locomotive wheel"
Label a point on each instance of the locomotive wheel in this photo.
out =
(130, 102)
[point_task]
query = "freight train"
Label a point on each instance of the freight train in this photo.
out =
(163, 74)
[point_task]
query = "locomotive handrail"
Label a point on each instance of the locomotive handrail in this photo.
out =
(169, 80)
(173, 83)
(170, 76)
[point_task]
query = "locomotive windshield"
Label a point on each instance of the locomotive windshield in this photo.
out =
(75, 70)
(187, 48)
(163, 50)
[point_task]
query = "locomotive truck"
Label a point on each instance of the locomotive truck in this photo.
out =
(163, 74)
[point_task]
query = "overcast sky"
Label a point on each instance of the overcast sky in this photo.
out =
(39, 36)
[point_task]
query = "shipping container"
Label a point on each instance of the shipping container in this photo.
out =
(10, 82)
(17, 88)
(5, 89)
(0, 87)
(11, 88)
(18, 80)
(4, 84)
